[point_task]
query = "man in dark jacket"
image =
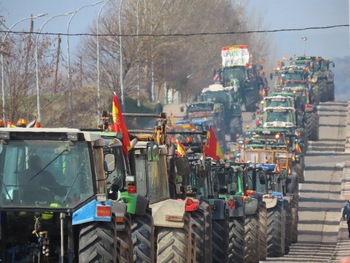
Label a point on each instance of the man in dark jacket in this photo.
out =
(158, 108)
(38, 185)
(346, 214)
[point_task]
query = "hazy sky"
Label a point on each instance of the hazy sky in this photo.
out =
(329, 43)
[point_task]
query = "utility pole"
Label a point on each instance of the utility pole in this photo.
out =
(57, 63)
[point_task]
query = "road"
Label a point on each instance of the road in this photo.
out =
(320, 200)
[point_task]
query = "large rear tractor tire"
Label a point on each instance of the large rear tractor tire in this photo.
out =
(251, 100)
(323, 91)
(262, 231)
(294, 219)
(236, 240)
(175, 244)
(124, 243)
(330, 89)
(312, 123)
(97, 242)
(220, 240)
(251, 229)
(202, 230)
(235, 127)
(142, 232)
(287, 213)
(276, 231)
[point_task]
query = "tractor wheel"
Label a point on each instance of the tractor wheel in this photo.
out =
(300, 172)
(294, 219)
(124, 242)
(323, 91)
(220, 240)
(97, 242)
(315, 92)
(312, 123)
(201, 228)
(235, 127)
(174, 244)
(142, 232)
(287, 213)
(236, 240)
(251, 101)
(330, 88)
(276, 231)
(251, 247)
(262, 231)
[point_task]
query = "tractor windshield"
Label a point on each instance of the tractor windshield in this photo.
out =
(231, 73)
(198, 107)
(44, 173)
(278, 103)
(291, 76)
(283, 116)
(215, 96)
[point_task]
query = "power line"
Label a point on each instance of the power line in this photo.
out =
(181, 34)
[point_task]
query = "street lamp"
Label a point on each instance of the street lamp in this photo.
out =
(304, 38)
(37, 62)
(68, 59)
(98, 61)
(121, 58)
(2, 60)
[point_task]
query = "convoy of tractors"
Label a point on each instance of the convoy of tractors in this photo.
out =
(171, 194)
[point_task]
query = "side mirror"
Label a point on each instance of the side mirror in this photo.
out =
(109, 162)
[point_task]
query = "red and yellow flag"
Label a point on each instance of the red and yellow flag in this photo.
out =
(10, 124)
(297, 148)
(119, 123)
(212, 147)
(180, 150)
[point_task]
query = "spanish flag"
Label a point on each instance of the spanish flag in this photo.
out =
(180, 151)
(212, 147)
(10, 124)
(119, 123)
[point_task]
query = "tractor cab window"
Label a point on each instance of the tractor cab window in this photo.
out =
(45, 173)
(283, 116)
(231, 73)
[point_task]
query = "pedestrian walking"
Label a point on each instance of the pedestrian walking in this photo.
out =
(346, 214)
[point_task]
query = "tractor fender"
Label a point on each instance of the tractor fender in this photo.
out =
(89, 212)
(251, 207)
(168, 213)
(271, 201)
(217, 207)
(238, 211)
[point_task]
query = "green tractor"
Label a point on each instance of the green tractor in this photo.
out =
(229, 99)
(237, 69)
(322, 78)
(295, 80)
(248, 221)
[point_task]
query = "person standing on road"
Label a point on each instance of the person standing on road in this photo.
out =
(158, 108)
(346, 214)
